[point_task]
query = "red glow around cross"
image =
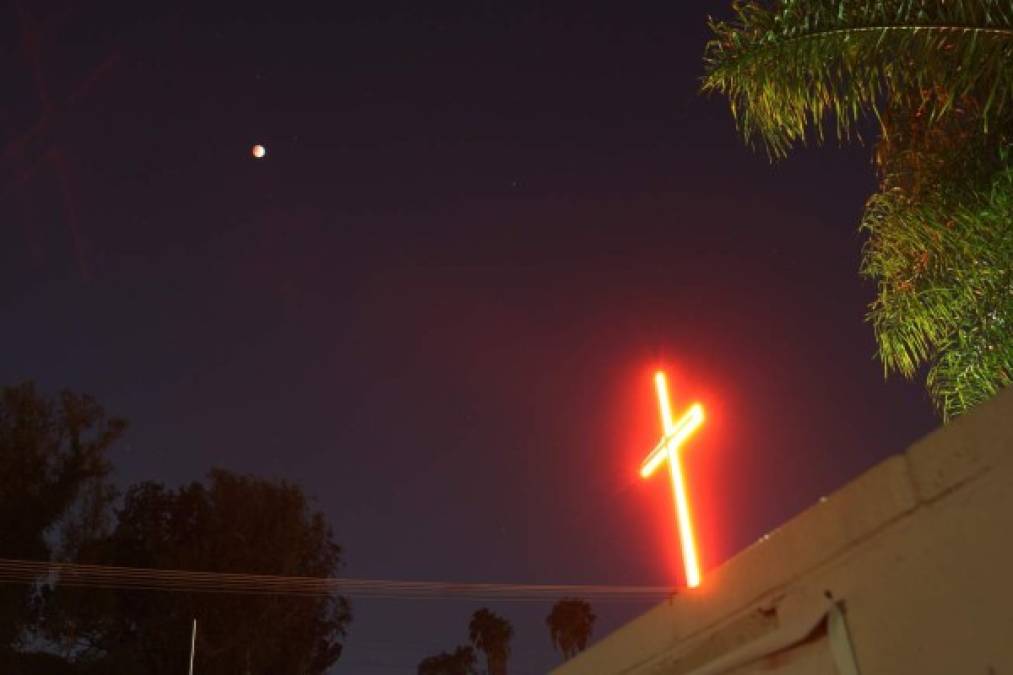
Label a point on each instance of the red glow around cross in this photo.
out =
(673, 436)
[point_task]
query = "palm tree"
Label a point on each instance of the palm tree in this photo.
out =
(936, 77)
(491, 634)
(570, 624)
(460, 662)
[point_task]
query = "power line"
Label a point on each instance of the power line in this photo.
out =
(77, 575)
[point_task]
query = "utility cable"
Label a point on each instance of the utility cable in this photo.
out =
(77, 575)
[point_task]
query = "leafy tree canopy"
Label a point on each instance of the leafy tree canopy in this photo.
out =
(231, 523)
(52, 457)
(790, 67)
(936, 77)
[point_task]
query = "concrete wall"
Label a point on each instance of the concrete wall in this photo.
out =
(907, 569)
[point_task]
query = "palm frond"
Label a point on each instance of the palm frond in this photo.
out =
(790, 68)
(943, 262)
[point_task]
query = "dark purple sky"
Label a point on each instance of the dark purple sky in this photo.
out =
(437, 302)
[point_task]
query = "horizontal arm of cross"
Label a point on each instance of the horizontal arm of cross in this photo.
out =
(686, 425)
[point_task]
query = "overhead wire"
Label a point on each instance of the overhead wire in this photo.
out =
(80, 575)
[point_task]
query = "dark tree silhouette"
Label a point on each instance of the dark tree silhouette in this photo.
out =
(52, 458)
(491, 634)
(460, 662)
(570, 624)
(231, 523)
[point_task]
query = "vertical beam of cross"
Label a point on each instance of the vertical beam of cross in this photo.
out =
(674, 435)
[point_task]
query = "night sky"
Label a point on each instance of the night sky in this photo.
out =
(437, 302)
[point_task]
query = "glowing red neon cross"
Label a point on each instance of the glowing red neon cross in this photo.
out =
(675, 433)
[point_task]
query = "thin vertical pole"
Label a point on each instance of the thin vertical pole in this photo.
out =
(193, 644)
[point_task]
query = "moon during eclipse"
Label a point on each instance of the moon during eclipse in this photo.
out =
(258, 151)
